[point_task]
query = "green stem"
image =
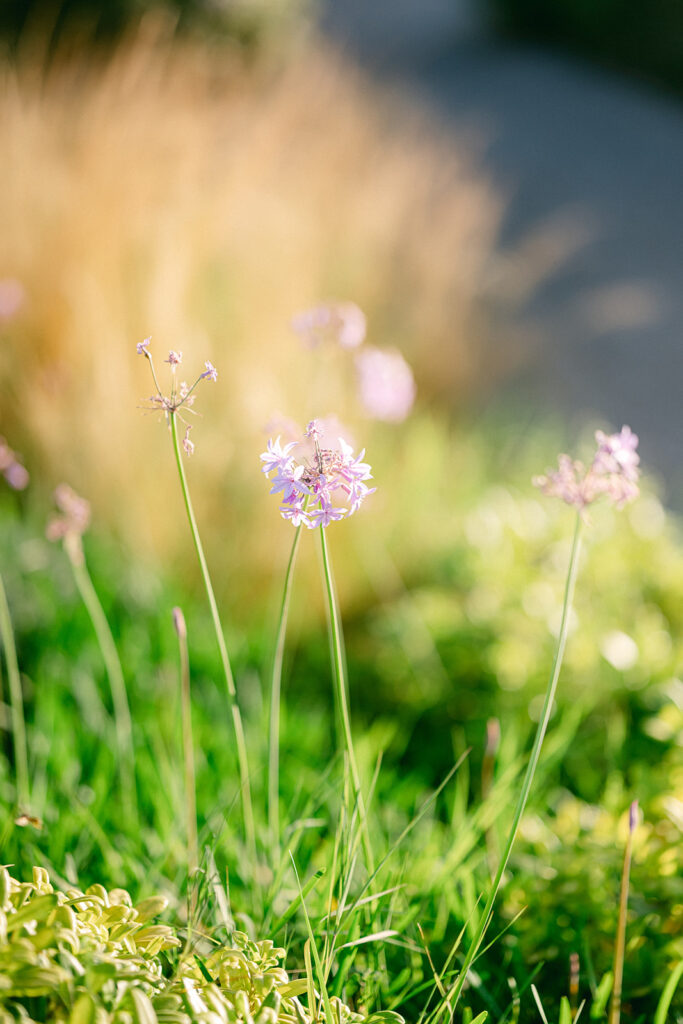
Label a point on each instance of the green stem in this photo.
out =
(122, 718)
(188, 747)
(16, 703)
(452, 999)
(342, 689)
(275, 688)
(243, 766)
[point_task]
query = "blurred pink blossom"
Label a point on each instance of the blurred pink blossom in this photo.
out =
(17, 476)
(342, 323)
(74, 517)
(12, 296)
(386, 384)
(11, 468)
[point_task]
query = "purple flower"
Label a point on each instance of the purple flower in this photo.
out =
(17, 476)
(321, 489)
(182, 396)
(386, 384)
(276, 457)
(341, 323)
(188, 445)
(288, 480)
(11, 468)
(617, 453)
(613, 473)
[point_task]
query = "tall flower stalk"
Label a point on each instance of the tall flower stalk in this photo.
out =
(16, 475)
(613, 473)
(181, 398)
(341, 688)
(69, 525)
(16, 704)
(188, 746)
(275, 698)
(328, 484)
(451, 1000)
(620, 944)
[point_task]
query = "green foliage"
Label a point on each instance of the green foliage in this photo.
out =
(79, 957)
(461, 631)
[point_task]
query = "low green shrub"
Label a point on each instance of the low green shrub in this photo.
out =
(94, 956)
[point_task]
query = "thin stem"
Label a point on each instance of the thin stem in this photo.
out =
(122, 718)
(16, 703)
(240, 742)
(188, 747)
(275, 688)
(341, 687)
(620, 944)
(453, 996)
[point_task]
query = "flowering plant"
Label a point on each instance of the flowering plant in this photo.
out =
(313, 489)
(613, 472)
(181, 396)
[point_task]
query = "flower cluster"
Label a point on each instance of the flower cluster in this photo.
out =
(74, 517)
(13, 471)
(181, 395)
(613, 473)
(321, 489)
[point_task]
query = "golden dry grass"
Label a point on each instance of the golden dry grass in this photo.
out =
(177, 194)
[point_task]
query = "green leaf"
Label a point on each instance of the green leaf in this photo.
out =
(84, 1010)
(384, 1017)
(35, 910)
(293, 988)
(565, 1011)
(5, 902)
(151, 907)
(294, 905)
(143, 1011)
(204, 970)
(601, 996)
(668, 994)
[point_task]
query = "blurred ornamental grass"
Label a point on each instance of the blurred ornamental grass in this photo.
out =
(169, 191)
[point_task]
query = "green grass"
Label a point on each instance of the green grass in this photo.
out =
(458, 635)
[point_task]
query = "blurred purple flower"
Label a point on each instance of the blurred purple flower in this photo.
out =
(342, 323)
(17, 476)
(11, 468)
(74, 517)
(12, 296)
(386, 384)
(612, 473)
